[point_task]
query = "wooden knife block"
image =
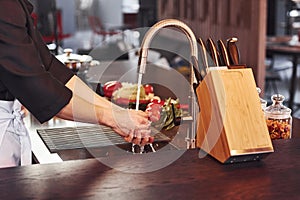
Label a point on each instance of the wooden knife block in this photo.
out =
(231, 126)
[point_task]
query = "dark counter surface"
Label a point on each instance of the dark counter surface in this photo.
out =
(189, 177)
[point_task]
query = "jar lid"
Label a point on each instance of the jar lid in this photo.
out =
(262, 101)
(277, 110)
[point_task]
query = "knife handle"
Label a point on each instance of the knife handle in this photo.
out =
(233, 51)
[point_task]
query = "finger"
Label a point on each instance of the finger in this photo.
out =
(144, 124)
(144, 121)
(151, 139)
(138, 113)
(145, 133)
(137, 138)
(129, 137)
(142, 113)
(145, 136)
(143, 128)
(145, 140)
(140, 116)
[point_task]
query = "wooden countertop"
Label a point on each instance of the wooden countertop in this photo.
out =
(275, 177)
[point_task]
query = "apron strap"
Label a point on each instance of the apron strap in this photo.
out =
(14, 120)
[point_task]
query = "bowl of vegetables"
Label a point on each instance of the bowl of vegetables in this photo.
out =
(164, 113)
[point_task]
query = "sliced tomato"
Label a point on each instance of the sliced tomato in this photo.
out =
(148, 89)
(157, 101)
(111, 86)
(154, 106)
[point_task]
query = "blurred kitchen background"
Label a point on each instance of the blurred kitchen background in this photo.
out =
(79, 20)
(83, 25)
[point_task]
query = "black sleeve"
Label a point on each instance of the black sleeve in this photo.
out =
(27, 69)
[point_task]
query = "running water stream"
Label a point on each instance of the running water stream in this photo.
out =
(138, 93)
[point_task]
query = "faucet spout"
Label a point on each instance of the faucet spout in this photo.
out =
(155, 29)
(191, 135)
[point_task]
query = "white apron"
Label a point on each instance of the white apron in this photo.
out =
(15, 146)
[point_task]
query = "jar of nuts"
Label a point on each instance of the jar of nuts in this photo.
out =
(279, 119)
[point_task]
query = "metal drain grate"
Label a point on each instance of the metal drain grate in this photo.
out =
(96, 136)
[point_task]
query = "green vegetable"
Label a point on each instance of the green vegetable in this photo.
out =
(166, 120)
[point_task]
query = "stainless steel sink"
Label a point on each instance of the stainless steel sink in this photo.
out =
(72, 143)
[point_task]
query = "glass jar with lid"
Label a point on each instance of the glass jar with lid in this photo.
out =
(279, 119)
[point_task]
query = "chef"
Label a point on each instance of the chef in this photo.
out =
(31, 76)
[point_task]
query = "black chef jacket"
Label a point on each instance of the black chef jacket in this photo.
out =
(28, 71)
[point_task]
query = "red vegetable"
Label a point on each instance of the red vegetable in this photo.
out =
(183, 106)
(110, 87)
(157, 101)
(148, 89)
(125, 101)
(154, 111)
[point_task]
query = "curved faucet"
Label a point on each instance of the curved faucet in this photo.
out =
(154, 30)
(194, 61)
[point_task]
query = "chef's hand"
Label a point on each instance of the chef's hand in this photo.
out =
(133, 125)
